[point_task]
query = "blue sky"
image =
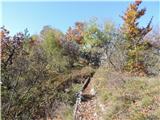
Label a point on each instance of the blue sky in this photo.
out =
(17, 16)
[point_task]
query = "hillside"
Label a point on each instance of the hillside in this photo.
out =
(91, 71)
(120, 96)
(112, 95)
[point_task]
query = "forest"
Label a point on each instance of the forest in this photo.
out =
(44, 75)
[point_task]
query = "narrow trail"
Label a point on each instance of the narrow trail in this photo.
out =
(86, 110)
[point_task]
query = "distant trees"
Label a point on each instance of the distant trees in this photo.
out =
(91, 40)
(50, 42)
(93, 36)
(75, 34)
(84, 41)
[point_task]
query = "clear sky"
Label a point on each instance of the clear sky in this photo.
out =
(17, 16)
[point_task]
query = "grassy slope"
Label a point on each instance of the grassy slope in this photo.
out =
(122, 97)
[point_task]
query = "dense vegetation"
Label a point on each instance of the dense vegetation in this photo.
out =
(40, 72)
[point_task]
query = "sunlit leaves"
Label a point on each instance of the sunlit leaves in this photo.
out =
(134, 37)
(75, 34)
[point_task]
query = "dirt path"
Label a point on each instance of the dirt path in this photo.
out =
(87, 108)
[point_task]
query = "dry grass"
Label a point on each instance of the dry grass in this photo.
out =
(124, 97)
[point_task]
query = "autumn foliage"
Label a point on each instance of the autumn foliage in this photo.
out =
(38, 70)
(135, 44)
(76, 34)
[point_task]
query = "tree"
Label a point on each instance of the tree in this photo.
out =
(75, 34)
(93, 35)
(71, 43)
(135, 45)
(51, 43)
(11, 46)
